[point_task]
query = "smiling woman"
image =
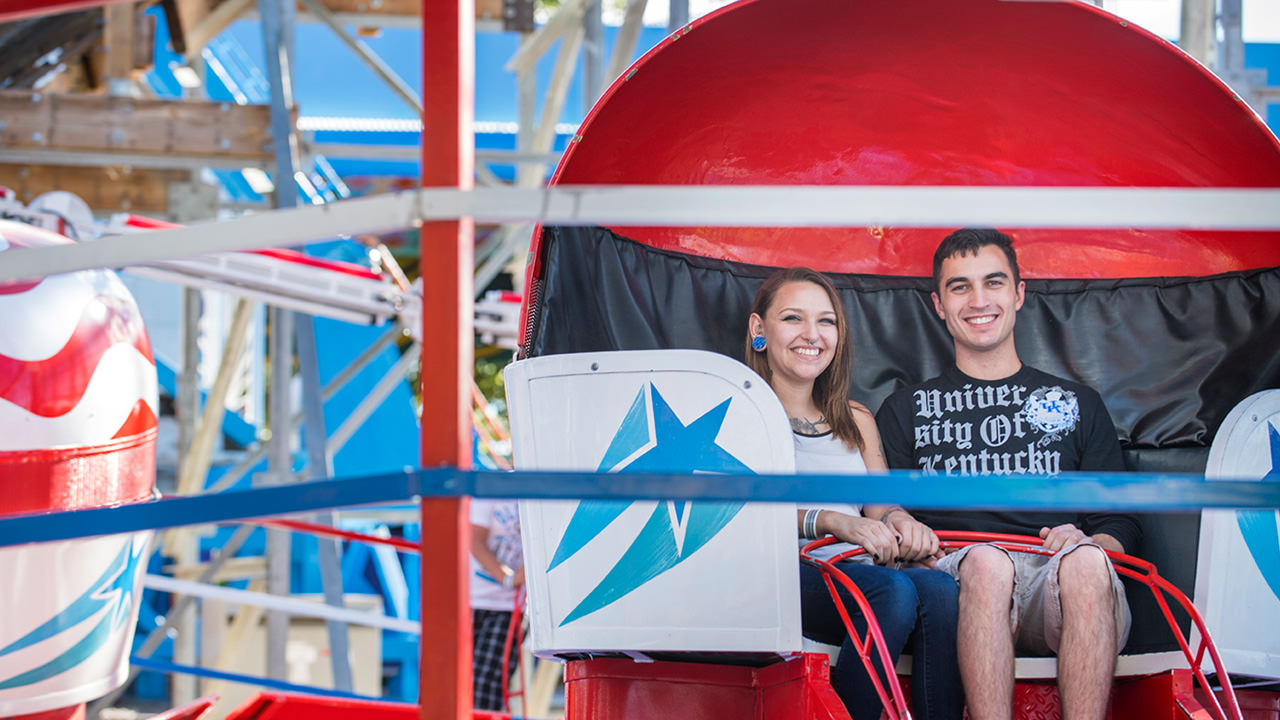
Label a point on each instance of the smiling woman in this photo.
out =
(798, 340)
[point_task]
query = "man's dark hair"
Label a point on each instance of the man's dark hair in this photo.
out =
(968, 241)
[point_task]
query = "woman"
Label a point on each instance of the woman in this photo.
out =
(798, 340)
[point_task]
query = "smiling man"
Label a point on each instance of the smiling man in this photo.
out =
(991, 415)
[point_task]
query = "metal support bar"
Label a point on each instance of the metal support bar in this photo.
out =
(1197, 35)
(277, 39)
(411, 152)
(1147, 492)
(538, 42)
(553, 103)
(593, 78)
(625, 46)
(365, 53)
(487, 178)
(1231, 51)
(528, 174)
(195, 462)
(280, 471)
(681, 206)
(678, 16)
(188, 395)
(320, 466)
(294, 607)
(184, 551)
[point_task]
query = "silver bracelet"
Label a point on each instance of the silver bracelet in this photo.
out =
(809, 528)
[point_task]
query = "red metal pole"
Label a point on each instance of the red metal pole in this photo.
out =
(446, 248)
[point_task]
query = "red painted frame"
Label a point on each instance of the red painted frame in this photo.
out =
(448, 160)
(892, 698)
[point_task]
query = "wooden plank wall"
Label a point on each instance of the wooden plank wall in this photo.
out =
(105, 189)
(100, 123)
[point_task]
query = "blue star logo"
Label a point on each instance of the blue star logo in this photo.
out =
(653, 441)
(113, 590)
(1260, 528)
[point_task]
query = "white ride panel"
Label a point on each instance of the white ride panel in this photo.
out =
(647, 575)
(1238, 573)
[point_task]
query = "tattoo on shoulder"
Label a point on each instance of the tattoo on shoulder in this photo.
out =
(807, 427)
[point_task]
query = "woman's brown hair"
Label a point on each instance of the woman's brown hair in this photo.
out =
(831, 388)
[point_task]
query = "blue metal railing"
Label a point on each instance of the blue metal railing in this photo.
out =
(1080, 491)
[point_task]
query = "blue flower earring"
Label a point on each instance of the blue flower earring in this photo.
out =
(758, 343)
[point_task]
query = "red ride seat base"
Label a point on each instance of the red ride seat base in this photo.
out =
(620, 689)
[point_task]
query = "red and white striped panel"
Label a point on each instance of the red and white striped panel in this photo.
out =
(78, 396)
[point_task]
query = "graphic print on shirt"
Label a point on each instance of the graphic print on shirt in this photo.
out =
(504, 534)
(993, 429)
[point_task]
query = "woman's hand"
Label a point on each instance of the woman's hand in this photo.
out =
(874, 536)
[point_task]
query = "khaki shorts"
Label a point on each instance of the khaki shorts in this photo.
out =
(1036, 612)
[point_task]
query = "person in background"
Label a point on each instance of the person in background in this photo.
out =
(798, 341)
(989, 414)
(497, 571)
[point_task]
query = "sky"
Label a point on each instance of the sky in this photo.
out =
(1261, 21)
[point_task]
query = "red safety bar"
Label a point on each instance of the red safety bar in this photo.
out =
(329, 531)
(1126, 565)
(512, 644)
(895, 704)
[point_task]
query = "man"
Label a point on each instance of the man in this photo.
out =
(989, 414)
(497, 571)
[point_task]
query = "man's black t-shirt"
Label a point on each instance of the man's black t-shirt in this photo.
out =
(1028, 423)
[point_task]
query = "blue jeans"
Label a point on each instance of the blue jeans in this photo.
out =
(916, 605)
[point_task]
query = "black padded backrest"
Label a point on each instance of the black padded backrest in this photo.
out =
(1171, 542)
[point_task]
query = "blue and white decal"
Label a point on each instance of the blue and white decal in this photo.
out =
(109, 599)
(651, 438)
(1261, 528)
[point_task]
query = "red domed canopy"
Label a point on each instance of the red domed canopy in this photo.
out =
(929, 92)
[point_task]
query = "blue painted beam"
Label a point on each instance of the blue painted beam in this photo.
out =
(1081, 491)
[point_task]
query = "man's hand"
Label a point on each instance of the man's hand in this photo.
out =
(1062, 537)
(917, 543)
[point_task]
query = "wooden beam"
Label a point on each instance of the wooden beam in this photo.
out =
(118, 37)
(625, 46)
(485, 9)
(202, 26)
(97, 123)
(105, 189)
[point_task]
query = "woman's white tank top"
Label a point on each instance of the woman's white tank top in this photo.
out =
(827, 454)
